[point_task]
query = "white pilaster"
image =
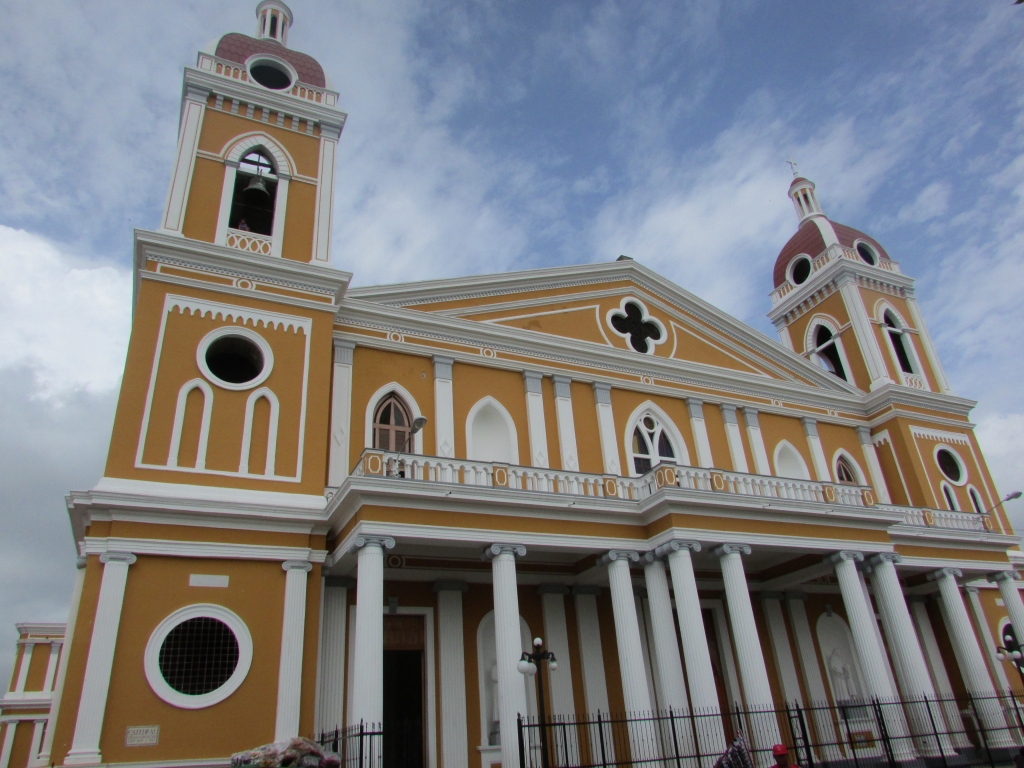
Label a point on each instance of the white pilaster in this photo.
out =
(700, 432)
(452, 667)
(771, 604)
(289, 673)
(341, 412)
(280, 214)
(863, 332)
(732, 434)
(817, 452)
(329, 135)
(636, 697)
(556, 639)
(761, 465)
(192, 112)
(368, 664)
(10, 727)
(808, 655)
(508, 647)
(606, 428)
(1011, 599)
(988, 643)
(566, 423)
(51, 665)
(784, 338)
(62, 667)
(972, 663)
(85, 745)
(37, 741)
(444, 407)
(867, 445)
(332, 653)
(926, 341)
(24, 663)
(940, 678)
(535, 419)
(595, 686)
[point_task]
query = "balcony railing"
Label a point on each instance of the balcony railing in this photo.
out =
(829, 255)
(250, 241)
(943, 518)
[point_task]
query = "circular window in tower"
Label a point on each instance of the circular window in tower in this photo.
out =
(867, 253)
(951, 465)
(198, 656)
(800, 271)
(271, 73)
(235, 358)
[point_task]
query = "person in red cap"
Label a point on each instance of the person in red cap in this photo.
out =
(781, 755)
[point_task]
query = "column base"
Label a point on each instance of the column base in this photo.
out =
(84, 757)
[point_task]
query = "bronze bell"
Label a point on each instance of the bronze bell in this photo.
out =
(256, 192)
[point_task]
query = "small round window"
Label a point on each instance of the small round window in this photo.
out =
(950, 465)
(270, 74)
(801, 270)
(235, 358)
(867, 253)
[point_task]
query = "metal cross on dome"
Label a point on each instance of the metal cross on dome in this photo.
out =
(792, 165)
(630, 320)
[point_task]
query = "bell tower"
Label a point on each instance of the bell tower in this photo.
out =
(842, 303)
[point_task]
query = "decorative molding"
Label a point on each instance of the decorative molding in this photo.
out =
(517, 550)
(935, 434)
(728, 549)
(602, 393)
(562, 386)
(120, 549)
(443, 367)
(343, 351)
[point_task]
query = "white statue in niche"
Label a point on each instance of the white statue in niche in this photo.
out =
(494, 733)
(837, 650)
(487, 670)
(841, 677)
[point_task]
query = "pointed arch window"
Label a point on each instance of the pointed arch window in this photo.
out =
(650, 445)
(392, 426)
(976, 500)
(845, 473)
(255, 194)
(896, 332)
(950, 497)
(826, 352)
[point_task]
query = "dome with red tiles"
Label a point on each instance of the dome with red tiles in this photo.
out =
(808, 240)
(238, 48)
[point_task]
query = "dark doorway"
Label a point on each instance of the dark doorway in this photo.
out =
(403, 692)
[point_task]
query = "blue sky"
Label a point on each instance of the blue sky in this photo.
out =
(487, 136)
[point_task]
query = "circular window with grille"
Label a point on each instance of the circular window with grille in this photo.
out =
(198, 656)
(951, 465)
(233, 357)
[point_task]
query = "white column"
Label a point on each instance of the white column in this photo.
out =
(700, 432)
(1011, 599)
(85, 746)
(341, 413)
(940, 678)
(329, 135)
(444, 408)
(595, 686)
(877, 629)
(972, 663)
(535, 419)
(761, 465)
(636, 697)
(10, 726)
(566, 423)
(289, 673)
(556, 639)
(757, 692)
(36, 743)
(771, 604)
(813, 681)
(867, 445)
(817, 453)
(606, 428)
(188, 142)
(734, 438)
(671, 683)
(926, 341)
(25, 662)
(332, 652)
(62, 667)
(987, 642)
(863, 332)
(51, 664)
(911, 670)
(508, 647)
(451, 658)
(280, 214)
(697, 657)
(368, 663)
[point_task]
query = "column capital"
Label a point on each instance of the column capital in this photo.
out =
(750, 416)
(532, 379)
(383, 542)
(443, 367)
(728, 413)
(810, 426)
(118, 557)
(562, 386)
(695, 407)
(971, 590)
(196, 93)
(81, 561)
(297, 565)
(602, 393)
(729, 549)
(846, 554)
(675, 546)
(864, 433)
(343, 351)
(629, 555)
(996, 578)
(450, 586)
(941, 572)
(516, 550)
(885, 557)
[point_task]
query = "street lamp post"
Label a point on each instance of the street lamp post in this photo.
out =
(528, 666)
(1011, 651)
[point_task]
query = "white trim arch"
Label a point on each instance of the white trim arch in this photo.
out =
(860, 477)
(179, 422)
(668, 426)
(881, 307)
(975, 496)
(792, 265)
(509, 424)
(786, 451)
(275, 412)
(834, 328)
(964, 474)
(948, 494)
(414, 409)
(236, 149)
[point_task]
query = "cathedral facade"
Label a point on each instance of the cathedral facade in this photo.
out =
(325, 506)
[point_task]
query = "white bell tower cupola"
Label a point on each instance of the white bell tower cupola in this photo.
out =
(273, 19)
(801, 192)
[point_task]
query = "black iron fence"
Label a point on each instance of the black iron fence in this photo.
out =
(937, 733)
(358, 746)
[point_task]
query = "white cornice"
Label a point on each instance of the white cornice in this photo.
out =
(205, 549)
(954, 538)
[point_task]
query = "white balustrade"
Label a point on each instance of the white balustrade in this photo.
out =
(939, 518)
(250, 242)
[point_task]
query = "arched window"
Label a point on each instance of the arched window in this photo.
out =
(845, 473)
(252, 204)
(950, 497)
(789, 462)
(894, 328)
(976, 500)
(490, 433)
(826, 352)
(650, 445)
(392, 425)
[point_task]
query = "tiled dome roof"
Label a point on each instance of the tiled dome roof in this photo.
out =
(808, 240)
(237, 47)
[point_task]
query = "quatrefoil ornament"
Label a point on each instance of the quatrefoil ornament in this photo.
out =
(632, 321)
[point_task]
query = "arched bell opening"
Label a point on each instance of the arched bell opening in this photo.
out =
(255, 195)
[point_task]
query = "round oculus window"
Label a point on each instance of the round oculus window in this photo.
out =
(235, 358)
(950, 465)
(801, 270)
(867, 253)
(270, 74)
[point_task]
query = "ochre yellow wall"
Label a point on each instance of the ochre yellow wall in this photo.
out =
(775, 429)
(203, 204)
(471, 383)
(588, 439)
(222, 128)
(299, 221)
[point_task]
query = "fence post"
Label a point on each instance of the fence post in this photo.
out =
(935, 731)
(522, 750)
(849, 738)
(600, 736)
(675, 738)
(880, 721)
(1016, 709)
(981, 729)
(361, 744)
(808, 754)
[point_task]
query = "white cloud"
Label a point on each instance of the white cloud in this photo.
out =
(64, 319)
(1001, 436)
(933, 201)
